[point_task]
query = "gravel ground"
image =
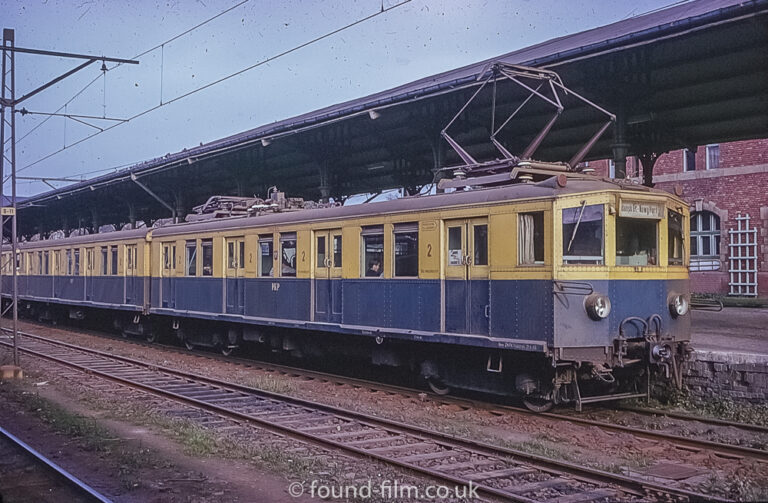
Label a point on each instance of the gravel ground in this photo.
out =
(609, 451)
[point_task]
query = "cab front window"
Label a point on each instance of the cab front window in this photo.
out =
(636, 242)
(583, 234)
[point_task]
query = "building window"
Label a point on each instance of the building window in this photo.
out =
(611, 169)
(713, 156)
(583, 235)
(689, 160)
(530, 238)
(373, 251)
(407, 250)
(705, 241)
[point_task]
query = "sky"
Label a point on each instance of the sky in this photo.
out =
(409, 40)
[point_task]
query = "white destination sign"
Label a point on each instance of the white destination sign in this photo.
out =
(638, 209)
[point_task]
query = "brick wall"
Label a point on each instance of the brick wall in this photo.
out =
(745, 192)
(738, 376)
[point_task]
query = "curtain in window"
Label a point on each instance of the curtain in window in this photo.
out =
(525, 249)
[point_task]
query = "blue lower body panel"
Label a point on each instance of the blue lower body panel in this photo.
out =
(112, 292)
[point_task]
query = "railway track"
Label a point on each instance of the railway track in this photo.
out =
(696, 444)
(27, 475)
(494, 472)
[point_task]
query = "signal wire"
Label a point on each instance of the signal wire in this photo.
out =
(210, 84)
(89, 84)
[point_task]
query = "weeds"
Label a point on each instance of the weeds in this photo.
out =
(272, 385)
(716, 407)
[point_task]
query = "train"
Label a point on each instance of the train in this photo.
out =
(560, 287)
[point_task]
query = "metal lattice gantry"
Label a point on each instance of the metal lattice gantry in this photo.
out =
(8, 109)
(742, 258)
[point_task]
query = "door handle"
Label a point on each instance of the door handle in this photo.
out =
(487, 310)
(328, 262)
(468, 259)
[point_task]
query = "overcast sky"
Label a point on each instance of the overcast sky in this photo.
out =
(417, 39)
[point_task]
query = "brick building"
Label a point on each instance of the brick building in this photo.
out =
(720, 182)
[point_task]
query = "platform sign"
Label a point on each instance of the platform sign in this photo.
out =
(7, 211)
(641, 209)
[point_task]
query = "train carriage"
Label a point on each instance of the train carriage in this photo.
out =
(567, 290)
(107, 271)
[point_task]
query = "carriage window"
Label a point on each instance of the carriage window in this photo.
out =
(455, 252)
(131, 259)
(320, 251)
(583, 235)
(231, 256)
(104, 263)
(337, 251)
(675, 237)
(530, 238)
(167, 257)
(288, 254)
(46, 269)
(76, 261)
(373, 251)
(480, 245)
(407, 249)
(206, 248)
(265, 256)
(69, 262)
(191, 260)
(636, 241)
(113, 253)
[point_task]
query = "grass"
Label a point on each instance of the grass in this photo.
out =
(90, 435)
(271, 384)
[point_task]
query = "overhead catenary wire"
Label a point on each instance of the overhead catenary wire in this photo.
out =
(89, 84)
(222, 79)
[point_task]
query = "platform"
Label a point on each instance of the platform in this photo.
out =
(732, 330)
(730, 358)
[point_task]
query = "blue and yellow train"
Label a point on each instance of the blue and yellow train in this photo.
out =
(567, 290)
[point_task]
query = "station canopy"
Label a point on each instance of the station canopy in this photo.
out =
(689, 75)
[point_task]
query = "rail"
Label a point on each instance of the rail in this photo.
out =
(436, 455)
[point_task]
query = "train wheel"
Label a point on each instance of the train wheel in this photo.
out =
(188, 344)
(227, 350)
(151, 336)
(537, 403)
(438, 386)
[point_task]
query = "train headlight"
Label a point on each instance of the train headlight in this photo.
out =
(598, 306)
(678, 305)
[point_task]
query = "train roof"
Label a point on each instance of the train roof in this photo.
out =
(518, 191)
(103, 237)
